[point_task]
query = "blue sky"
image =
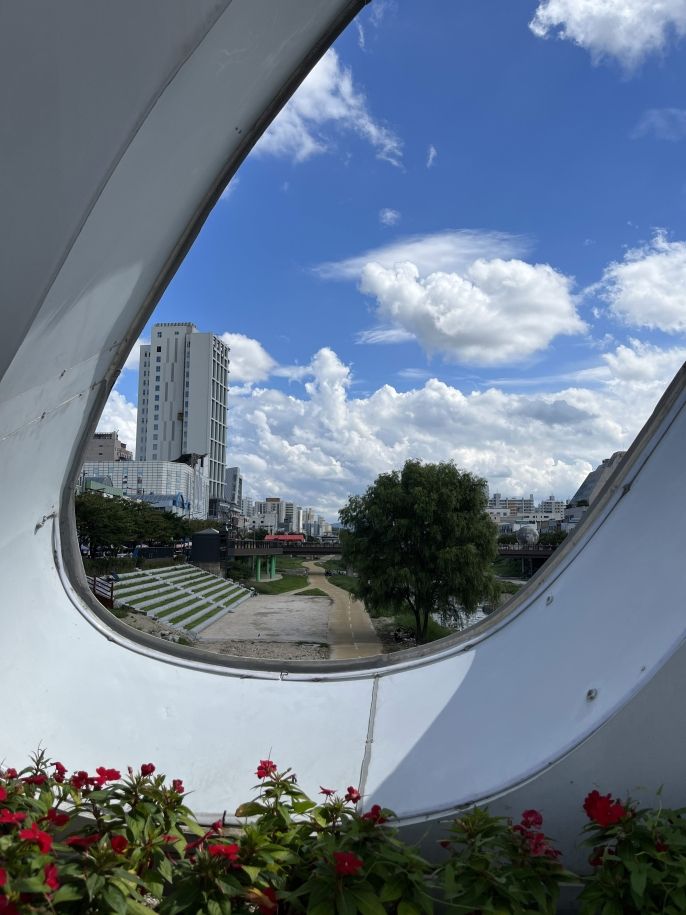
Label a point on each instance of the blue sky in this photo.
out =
(464, 238)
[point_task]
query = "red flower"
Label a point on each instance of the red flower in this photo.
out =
(11, 773)
(347, 863)
(83, 841)
(603, 810)
(265, 768)
(7, 907)
(271, 900)
(79, 779)
(327, 792)
(352, 795)
(3, 794)
(177, 785)
(50, 876)
(59, 819)
(147, 769)
(597, 855)
(39, 779)
(531, 818)
(107, 775)
(230, 852)
(119, 844)
(60, 772)
(3, 876)
(34, 834)
(169, 838)
(661, 846)
(6, 816)
(374, 816)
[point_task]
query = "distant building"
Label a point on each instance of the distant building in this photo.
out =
(182, 392)
(105, 446)
(589, 490)
(165, 480)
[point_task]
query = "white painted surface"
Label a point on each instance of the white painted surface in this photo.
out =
(502, 714)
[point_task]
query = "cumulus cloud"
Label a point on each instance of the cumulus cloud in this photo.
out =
(248, 359)
(119, 416)
(495, 311)
(662, 123)
(627, 30)
(320, 447)
(134, 357)
(648, 287)
(326, 102)
(388, 217)
(450, 250)
(431, 154)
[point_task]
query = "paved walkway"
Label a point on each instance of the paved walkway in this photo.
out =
(351, 634)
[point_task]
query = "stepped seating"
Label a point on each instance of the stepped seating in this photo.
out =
(183, 597)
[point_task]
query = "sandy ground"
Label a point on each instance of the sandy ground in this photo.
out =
(285, 626)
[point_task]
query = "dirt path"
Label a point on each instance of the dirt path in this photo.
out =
(351, 633)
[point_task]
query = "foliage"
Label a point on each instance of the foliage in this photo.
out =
(507, 538)
(495, 866)
(112, 523)
(104, 843)
(420, 540)
(638, 858)
(346, 582)
(552, 538)
(279, 585)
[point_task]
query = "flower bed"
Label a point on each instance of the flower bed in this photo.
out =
(107, 843)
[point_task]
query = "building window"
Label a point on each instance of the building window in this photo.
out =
(155, 437)
(159, 333)
(159, 349)
(158, 359)
(157, 396)
(157, 387)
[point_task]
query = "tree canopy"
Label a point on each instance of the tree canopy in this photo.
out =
(420, 540)
(105, 523)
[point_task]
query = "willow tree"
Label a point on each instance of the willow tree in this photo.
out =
(420, 541)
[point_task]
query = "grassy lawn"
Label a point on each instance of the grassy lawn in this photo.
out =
(508, 567)
(333, 565)
(510, 587)
(288, 563)
(434, 630)
(280, 586)
(313, 592)
(346, 582)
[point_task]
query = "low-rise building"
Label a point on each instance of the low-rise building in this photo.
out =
(105, 446)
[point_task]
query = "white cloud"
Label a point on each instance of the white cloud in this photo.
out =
(495, 311)
(320, 447)
(385, 335)
(327, 98)
(248, 359)
(134, 357)
(119, 416)
(230, 188)
(662, 123)
(648, 288)
(450, 250)
(628, 30)
(388, 217)
(361, 40)
(431, 154)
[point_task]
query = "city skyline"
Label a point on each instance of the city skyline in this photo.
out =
(464, 238)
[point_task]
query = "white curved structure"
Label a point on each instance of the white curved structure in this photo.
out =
(123, 123)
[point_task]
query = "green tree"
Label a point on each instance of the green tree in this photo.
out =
(420, 540)
(102, 523)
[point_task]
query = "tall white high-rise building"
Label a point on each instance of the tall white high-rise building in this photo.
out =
(182, 391)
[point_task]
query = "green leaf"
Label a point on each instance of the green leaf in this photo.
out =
(368, 902)
(639, 875)
(408, 908)
(250, 809)
(165, 869)
(115, 899)
(67, 893)
(325, 907)
(392, 889)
